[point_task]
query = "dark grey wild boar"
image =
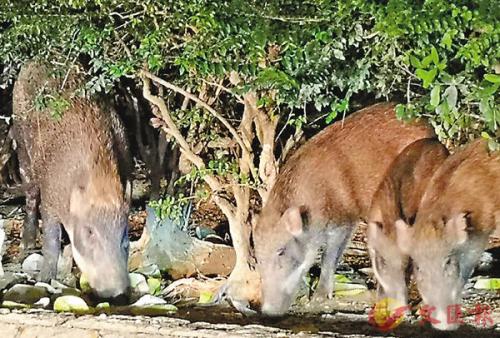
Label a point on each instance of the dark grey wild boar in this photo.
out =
(398, 197)
(459, 210)
(321, 193)
(71, 167)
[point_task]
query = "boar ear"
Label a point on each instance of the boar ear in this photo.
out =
(457, 227)
(293, 220)
(404, 234)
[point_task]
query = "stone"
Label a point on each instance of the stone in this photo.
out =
(32, 264)
(366, 271)
(64, 289)
(138, 283)
(26, 294)
(149, 300)
(43, 303)
(154, 285)
(151, 270)
(10, 279)
(72, 304)
(50, 289)
(84, 284)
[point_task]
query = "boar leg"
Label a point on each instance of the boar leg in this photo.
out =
(30, 226)
(51, 248)
(337, 239)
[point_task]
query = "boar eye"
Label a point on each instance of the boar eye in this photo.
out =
(449, 262)
(281, 251)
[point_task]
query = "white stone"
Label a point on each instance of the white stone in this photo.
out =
(42, 303)
(148, 300)
(47, 287)
(33, 263)
(138, 283)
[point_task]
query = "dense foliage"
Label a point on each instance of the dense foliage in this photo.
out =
(312, 61)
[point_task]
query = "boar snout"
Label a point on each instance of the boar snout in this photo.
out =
(115, 288)
(100, 249)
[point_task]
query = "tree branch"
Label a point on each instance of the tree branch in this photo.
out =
(203, 104)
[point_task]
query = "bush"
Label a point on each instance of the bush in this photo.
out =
(311, 61)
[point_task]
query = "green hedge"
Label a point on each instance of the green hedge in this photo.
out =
(310, 60)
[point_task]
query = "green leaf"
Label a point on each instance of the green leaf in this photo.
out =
(493, 78)
(451, 95)
(434, 55)
(415, 62)
(446, 40)
(427, 76)
(435, 95)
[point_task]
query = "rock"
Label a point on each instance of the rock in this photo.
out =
(366, 271)
(25, 294)
(64, 289)
(14, 305)
(32, 264)
(149, 300)
(139, 284)
(151, 270)
(487, 284)
(349, 289)
(71, 304)
(103, 306)
(50, 289)
(43, 303)
(154, 286)
(10, 279)
(205, 297)
(149, 305)
(84, 284)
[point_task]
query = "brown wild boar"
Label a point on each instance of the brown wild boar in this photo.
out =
(398, 197)
(70, 167)
(321, 193)
(459, 210)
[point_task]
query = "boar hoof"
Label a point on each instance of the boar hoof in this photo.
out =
(242, 306)
(322, 295)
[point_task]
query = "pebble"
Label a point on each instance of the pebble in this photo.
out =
(43, 303)
(138, 283)
(32, 264)
(72, 304)
(50, 289)
(149, 300)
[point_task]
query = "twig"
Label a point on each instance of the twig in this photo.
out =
(227, 90)
(192, 97)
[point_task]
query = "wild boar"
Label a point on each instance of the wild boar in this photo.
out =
(70, 167)
(321, 193)
(459, 210)
(398, 197)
